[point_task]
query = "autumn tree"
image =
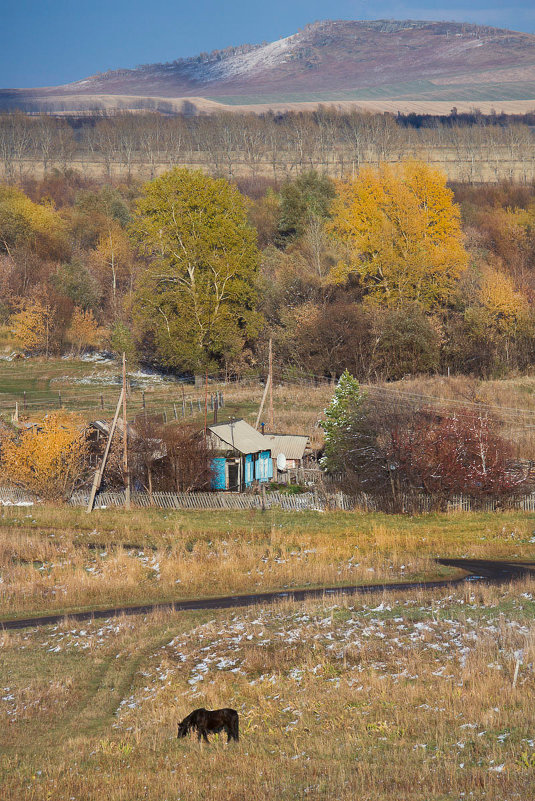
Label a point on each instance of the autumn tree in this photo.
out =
(24, 223)
(49, 459)
(112, 260)
(197, 297)
(327, 339)
(31, 326)
(77, 283)
(445, 454)
(406, 341)
(84, 331)
(188, 459)
(400, 232)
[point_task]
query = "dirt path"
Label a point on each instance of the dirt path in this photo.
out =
(475, 568)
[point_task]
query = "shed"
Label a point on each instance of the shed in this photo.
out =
(293, 446)
(243, 455)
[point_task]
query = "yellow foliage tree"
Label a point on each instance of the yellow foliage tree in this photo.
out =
(505, 305)
(84, 331)
(113, 259)
(401, 233)
(31, 326)
(25, 223)
(49, 460)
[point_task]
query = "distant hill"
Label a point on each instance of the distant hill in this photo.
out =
(389, 63)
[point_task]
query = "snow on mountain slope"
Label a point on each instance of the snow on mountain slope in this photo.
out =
(262, 57)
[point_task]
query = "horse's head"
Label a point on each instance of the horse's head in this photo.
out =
(183, 728)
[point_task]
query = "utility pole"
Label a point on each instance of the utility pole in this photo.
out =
(271, 384)
(259, 415)
(100, 470)
(125, 442)
(205, 401)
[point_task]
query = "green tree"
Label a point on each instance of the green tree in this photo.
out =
(196, 300)
(407, 342)
(303, 200)
(345, 426)
(122, 341)
(76, 282)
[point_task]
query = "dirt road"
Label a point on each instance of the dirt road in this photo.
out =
(496, 572)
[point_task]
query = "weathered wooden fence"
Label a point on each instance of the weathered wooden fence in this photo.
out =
(11, 496)
(219, 500)
(411, 504)
(420, 504)
(305, 475)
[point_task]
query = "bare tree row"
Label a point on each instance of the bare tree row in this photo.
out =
(271, 145)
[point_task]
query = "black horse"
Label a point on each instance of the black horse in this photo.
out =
(204, 721)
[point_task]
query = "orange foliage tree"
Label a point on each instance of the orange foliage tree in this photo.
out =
(84, 331)
(31, 326)
(401, 233)
(50, 459)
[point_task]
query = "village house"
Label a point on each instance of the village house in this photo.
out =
(242, 455)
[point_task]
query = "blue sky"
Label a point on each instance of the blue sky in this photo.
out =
(48, 42)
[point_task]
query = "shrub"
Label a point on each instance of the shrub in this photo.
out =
(49, 459)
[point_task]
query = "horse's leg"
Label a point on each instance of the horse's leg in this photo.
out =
(206, 740)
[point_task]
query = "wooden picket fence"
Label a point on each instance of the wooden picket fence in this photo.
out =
(421, 504)
(14, 495)
(410, 504)
(219, 500)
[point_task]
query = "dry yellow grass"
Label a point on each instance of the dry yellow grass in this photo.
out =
(56, 558)
(408, 698)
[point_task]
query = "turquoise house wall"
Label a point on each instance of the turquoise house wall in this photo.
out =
(219, 479)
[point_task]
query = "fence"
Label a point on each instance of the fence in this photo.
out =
(305, 475)
(11, 496)
(409, 504)
(421, 504)
(167, 402)
(219, 500)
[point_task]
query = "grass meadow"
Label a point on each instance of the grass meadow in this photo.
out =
(396, 698)
(59, 559)
(404, 696)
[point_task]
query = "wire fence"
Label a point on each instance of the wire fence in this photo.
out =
(180, 399)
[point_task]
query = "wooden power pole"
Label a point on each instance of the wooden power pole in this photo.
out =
(125, 442)
(262, 402)
(271, 424)
(100, 470)
(205, 401)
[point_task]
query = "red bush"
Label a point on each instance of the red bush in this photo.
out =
(446, 454)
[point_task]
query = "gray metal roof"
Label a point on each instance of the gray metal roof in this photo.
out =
(291, 445)
(241, 436)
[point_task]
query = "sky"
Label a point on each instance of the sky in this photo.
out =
(50, 42)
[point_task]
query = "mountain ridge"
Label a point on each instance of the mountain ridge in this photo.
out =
(332, 57)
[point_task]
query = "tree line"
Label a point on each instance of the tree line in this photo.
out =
(471, 147)
(387, 273)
